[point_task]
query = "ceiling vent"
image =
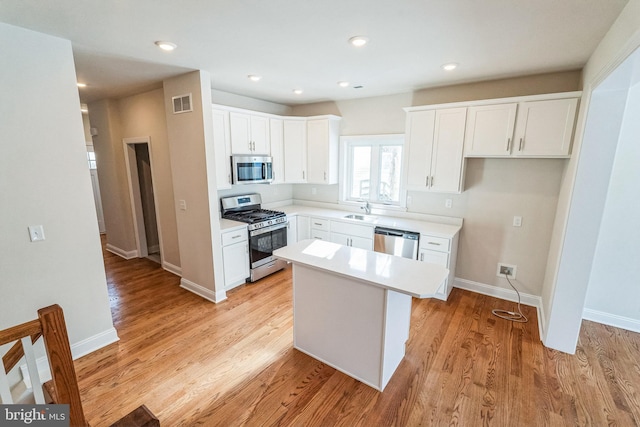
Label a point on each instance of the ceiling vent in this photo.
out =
(182, 104)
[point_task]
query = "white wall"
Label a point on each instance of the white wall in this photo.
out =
(581, 200)
(44, 179)
(613, 292)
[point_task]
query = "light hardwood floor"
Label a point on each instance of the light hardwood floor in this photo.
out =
(193, 362)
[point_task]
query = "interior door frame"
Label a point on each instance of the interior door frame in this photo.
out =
(134, 195)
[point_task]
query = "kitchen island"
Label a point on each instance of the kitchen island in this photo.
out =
(352, 307)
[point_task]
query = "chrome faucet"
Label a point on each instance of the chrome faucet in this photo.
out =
(366, 207)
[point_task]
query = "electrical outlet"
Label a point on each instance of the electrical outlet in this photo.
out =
(448, 203)
(508, 269)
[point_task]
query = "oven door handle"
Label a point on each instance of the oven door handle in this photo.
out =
(268, 229)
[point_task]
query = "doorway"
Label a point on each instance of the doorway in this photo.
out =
(139, 162)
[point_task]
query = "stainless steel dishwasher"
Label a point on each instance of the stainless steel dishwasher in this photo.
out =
(396, 242)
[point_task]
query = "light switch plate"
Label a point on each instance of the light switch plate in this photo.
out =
(517, 221)
(36, 233)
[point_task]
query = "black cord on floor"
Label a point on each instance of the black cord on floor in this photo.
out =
(510, 315)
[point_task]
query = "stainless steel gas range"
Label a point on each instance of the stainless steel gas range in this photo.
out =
(267, 232)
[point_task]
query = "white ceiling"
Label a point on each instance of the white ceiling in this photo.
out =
(303, 43)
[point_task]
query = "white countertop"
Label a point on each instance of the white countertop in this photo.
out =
(419, 226)
(423, 227)
(230, 225)
(411, 277)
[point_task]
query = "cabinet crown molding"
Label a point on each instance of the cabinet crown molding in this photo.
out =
(528, 98)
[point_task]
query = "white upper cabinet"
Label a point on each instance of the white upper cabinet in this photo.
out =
(276, 132)
(295, 150)
(222, 149)
(545, 128)
(489, 130)
(249, 134)
(524, 128)
(323, 136)
(435, 159)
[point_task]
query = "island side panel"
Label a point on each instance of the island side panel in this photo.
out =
(340, 322)
(397, 324)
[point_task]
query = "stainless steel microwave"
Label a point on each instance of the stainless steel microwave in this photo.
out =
(252, 169)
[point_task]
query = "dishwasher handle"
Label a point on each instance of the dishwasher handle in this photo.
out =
(397, 233)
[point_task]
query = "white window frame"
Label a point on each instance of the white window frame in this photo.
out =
(346, 142)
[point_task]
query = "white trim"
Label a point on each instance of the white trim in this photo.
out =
(505, 294)
(171, 268)
(121, 252)
(79, 349)
(205, 293)
(135, 199)
(621, 322)
(497, 292)
(345, 167)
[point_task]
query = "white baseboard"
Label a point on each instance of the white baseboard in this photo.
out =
(121, 252)
(505, 294)
(621, 322)
(495, 291)
(172, 268)
(205, 293)
(79, 349)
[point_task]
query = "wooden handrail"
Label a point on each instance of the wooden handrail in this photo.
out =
(53, 329)
(15, 353)
(16, 332)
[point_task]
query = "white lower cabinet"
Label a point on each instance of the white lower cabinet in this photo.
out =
(235, 257)
(353, 241)
(320, 228)
(292, 230)
(354, 235)
(441, 251)
(303, 227)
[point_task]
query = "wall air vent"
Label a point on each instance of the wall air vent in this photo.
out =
(182, 104)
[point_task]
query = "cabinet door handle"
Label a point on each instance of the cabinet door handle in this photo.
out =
(521, 141)
(250, 146)
(433, 243)
(427, 182)
(508, 143)
(237, 236)
(431, 181)
(325, 176)
(302, 174)
(229, 178)
(350, 242)
(421, 257)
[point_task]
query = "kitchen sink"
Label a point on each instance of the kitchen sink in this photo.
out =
(361, 217)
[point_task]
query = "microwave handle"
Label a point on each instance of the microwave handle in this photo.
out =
(264, 171)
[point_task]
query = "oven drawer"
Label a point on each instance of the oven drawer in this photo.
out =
(236, 236)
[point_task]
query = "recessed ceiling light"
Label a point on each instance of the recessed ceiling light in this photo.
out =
(254, 77)
(359, 41)
(450, 67)
(343, 84)
(168, 46)
(81, 84)
(298, 91)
